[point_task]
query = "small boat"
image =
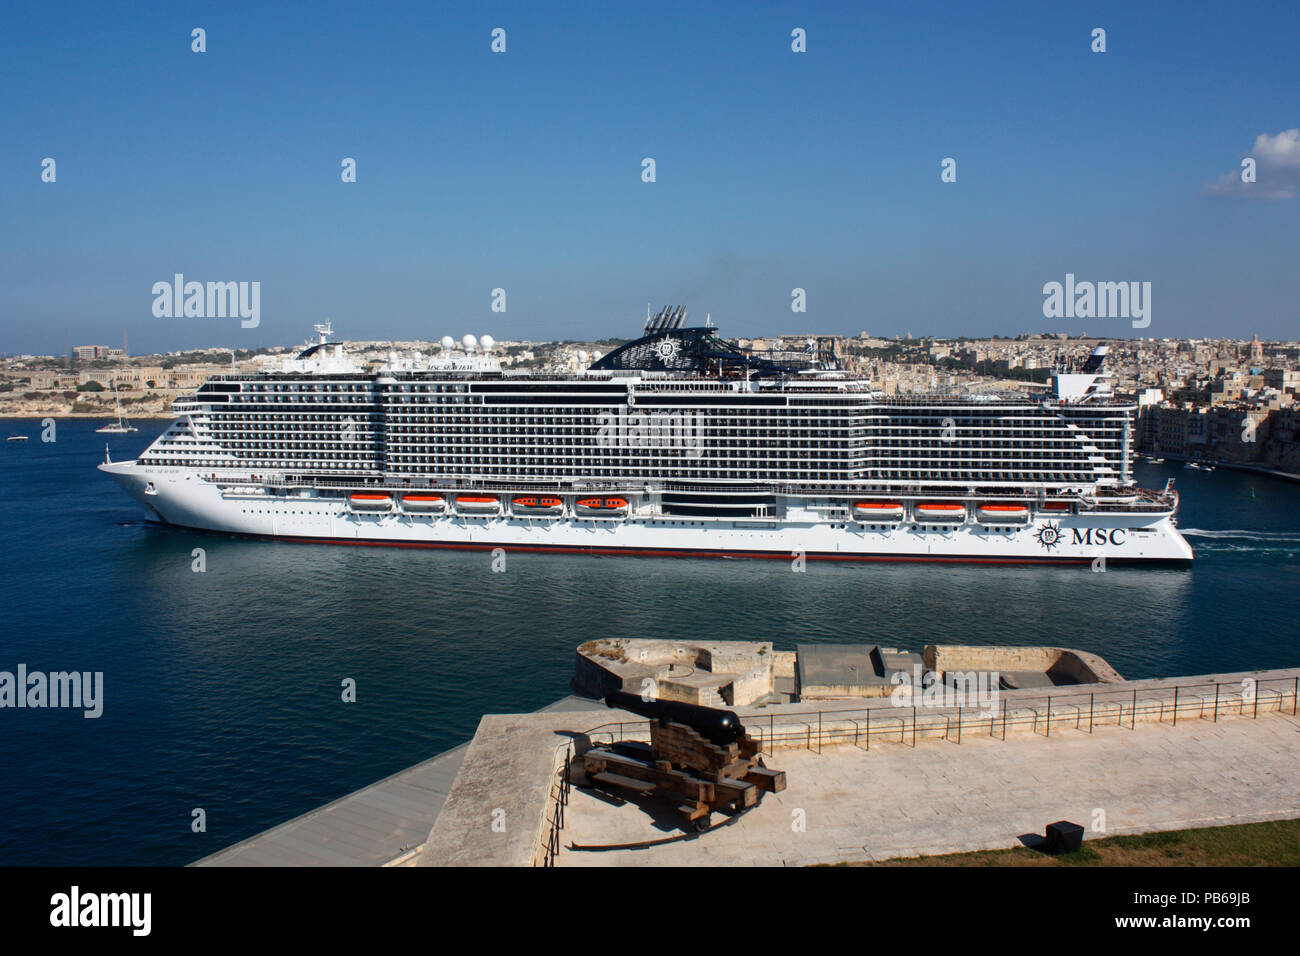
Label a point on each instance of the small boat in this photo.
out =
(536, 506)
(16, 437)
(478, 504)
(878, 510)
(990, 513)
(424, 504)
(939, 512)
(119, 427)
(371, 503)
(1157, 461)
(601, 507)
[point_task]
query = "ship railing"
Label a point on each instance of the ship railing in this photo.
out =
(1143, 501)
(1086, 709)
(1129, 507)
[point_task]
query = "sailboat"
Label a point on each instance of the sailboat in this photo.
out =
(119, 427)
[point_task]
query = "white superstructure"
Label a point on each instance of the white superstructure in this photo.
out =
(676, 443)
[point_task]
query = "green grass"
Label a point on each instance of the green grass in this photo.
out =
(1275, 843)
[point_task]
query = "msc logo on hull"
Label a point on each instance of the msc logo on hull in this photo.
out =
(1050, 535)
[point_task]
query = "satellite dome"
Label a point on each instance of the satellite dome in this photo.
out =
(468, 342)
(448, 342)
(582, 356)
(487, 342)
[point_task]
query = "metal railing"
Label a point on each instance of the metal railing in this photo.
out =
(1080, 710)
(1142, 501)
(559, 796)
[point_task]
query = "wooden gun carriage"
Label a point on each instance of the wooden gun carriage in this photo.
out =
(699, 758)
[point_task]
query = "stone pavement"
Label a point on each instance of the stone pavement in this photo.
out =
(383, 824)
(943, 797)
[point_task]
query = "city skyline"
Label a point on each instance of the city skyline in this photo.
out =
(775, 171)
(115, 353)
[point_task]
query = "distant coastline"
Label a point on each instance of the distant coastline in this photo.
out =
(109, 415)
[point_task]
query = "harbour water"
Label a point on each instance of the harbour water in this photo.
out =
(223, 689)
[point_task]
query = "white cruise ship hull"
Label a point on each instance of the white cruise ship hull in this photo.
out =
(181, 498)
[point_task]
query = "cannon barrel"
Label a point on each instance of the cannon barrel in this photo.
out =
(717, 726)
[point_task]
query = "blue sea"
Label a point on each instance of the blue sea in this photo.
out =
(222, 689)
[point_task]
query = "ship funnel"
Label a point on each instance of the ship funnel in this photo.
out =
(659, 320)
(1097, 359)
(666, 318)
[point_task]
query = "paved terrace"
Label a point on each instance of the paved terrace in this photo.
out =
(383, 824)
(1192, 752)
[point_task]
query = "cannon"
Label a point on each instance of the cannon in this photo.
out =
(699, 758)
(719, 727)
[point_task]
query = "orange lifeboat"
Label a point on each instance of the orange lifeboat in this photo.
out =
(424, 504)
(990, 513)
(537, 506)
(478, 504)
(939, 512)
(878, 510)
(372, 503)
(601, 507)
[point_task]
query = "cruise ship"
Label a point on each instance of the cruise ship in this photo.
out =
(677, 443)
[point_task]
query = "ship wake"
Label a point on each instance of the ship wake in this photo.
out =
(1241, 534)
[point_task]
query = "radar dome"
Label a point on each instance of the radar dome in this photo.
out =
(468, 342)
(448, 342)
(582, 356)
(487, 342)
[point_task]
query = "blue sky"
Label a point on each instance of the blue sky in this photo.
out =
(522, 170)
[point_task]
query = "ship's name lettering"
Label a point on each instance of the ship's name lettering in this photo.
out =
(1098, 536)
